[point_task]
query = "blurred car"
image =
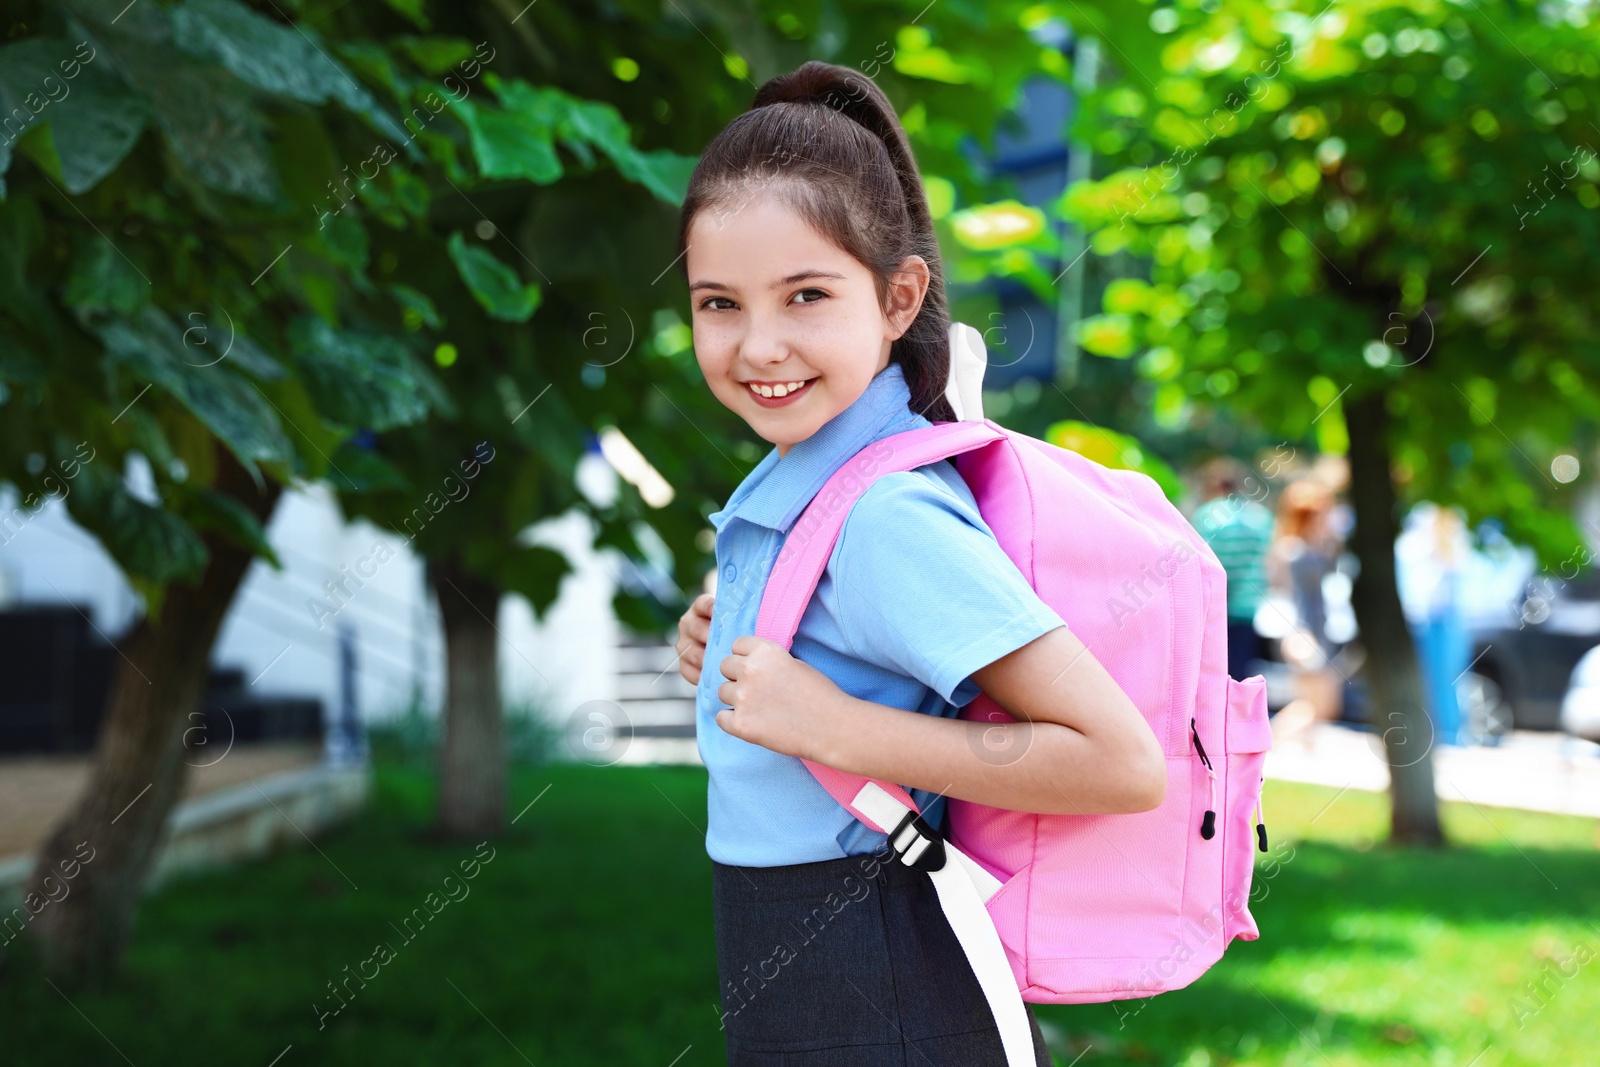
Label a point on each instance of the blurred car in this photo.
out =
(1529, 658)
(1580, 708)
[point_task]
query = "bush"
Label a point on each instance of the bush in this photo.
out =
(411, 739)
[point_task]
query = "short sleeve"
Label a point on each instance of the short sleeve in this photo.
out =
(925, 589)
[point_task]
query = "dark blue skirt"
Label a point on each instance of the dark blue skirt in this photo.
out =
(847, 963)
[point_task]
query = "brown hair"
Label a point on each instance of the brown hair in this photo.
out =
(1300, 504)
(826, 141)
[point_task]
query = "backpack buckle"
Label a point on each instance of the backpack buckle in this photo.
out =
(917, 844)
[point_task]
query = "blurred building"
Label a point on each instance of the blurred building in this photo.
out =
(280, 643)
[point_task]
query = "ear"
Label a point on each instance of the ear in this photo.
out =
(908, 285)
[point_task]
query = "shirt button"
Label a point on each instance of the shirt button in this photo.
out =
(728, 572)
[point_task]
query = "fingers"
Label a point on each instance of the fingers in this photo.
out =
(694, 632)
(743, 648)
(691, 659)
(691, 663)
(696, 622)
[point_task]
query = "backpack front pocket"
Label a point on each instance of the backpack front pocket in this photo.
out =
(1248, 739)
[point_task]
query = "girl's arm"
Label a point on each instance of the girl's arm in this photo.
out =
(1080, 746)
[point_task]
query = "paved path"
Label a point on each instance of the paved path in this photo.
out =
(37, 791)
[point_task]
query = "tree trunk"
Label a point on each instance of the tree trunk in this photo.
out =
(1391, 659)
(472, 756)
(97, 860)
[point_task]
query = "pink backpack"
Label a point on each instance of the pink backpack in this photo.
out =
(1071, 909)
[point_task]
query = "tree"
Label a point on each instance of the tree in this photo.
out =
(1372, 226)
(527, 175)
(223, 255)
(186, 295)
(567, 318)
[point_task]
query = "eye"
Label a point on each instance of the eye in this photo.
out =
(819, 293)
(704, 303)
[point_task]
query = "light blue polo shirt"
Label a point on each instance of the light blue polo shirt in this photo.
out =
(917, 595)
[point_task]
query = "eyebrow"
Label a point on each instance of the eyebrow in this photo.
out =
(798, 276)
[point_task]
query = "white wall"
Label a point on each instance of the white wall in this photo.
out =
(283, 628)
(46, 558)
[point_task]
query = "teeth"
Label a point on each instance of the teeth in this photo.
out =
(781, 389)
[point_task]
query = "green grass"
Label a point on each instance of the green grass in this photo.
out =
(587, 940)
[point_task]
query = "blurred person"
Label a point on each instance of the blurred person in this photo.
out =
(1305, 549)
(1430, 555)
(1239, 530)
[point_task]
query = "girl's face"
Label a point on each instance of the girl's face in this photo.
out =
(777, 306)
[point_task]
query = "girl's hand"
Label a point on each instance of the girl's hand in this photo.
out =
(778, 702)
(694, 631)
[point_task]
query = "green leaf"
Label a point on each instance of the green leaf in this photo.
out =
(19, 366)
(588, 122)
(1107, 335)
(149, 542)
(208, 119)
(664, 173)
(535, 572)
(347, 243)
(367, 472)
(357, 379)
(586, 125)
(102, 279)
(230, 407)
(286, 60)
(512, 144)
(1118, 451)
(411, 193)
(411, 9)
(417, 301)
(435, 55)
(94, 121)
(518, 140)
(147, 435)
(22, 233)
(249, 356)
(208, 509)
(493, 284)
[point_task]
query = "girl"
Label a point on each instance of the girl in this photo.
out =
(819, 317)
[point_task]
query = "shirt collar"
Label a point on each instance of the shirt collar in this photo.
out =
(779, 488)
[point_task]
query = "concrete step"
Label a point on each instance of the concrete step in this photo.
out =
(658, 712)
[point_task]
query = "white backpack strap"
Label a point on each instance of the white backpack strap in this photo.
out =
(968, 360)
(963, 886)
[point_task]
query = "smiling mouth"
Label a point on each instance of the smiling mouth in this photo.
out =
(778, 394)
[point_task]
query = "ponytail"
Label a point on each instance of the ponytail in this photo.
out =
(827, 141)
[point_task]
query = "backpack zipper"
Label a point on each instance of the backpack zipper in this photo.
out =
(1208, 825)
(1261, 823)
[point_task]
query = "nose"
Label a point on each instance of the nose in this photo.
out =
(763, 345)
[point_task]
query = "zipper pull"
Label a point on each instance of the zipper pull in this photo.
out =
(1208, 824)
(1261, 825)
